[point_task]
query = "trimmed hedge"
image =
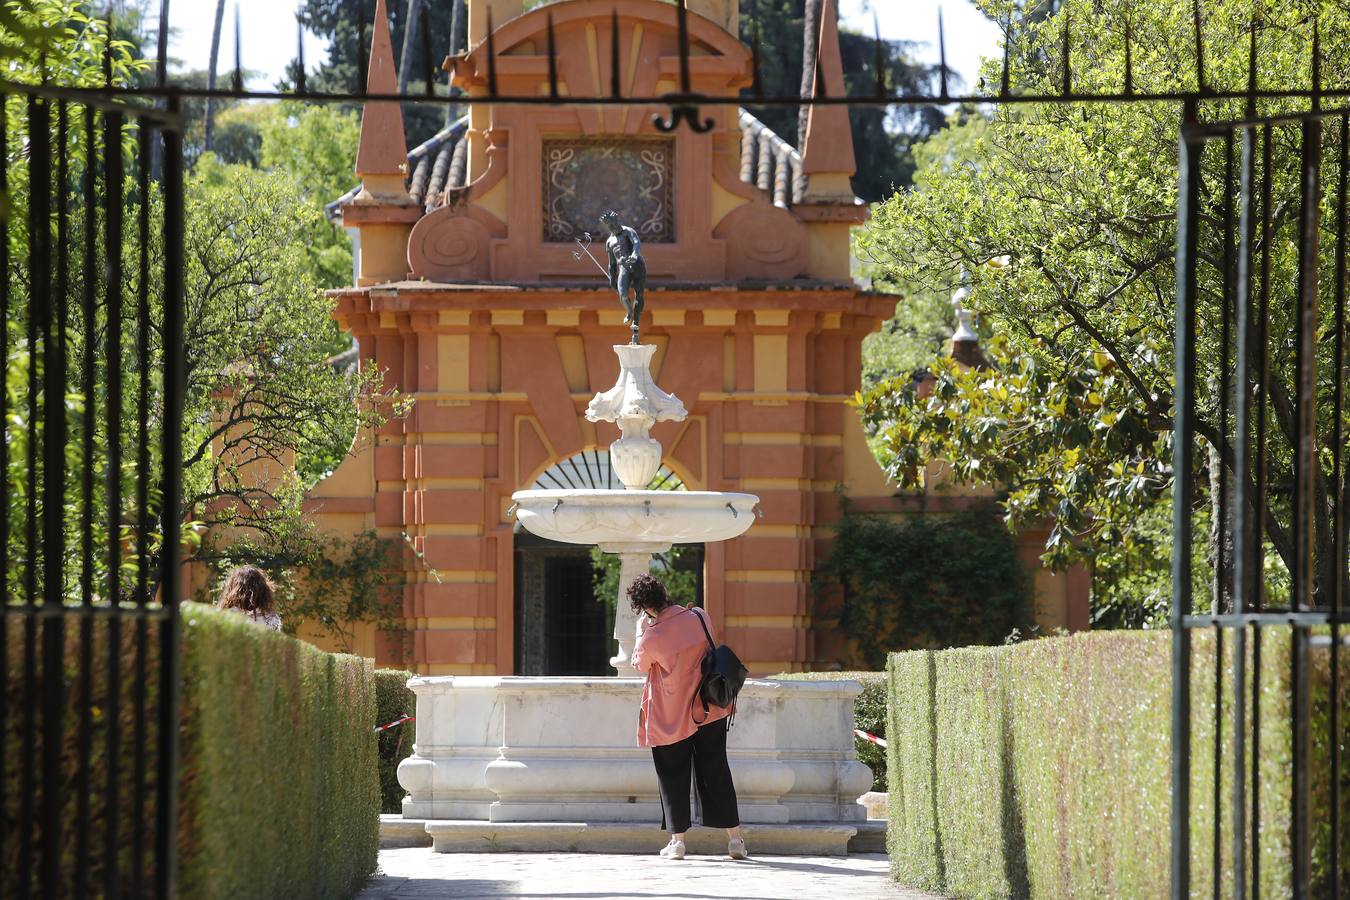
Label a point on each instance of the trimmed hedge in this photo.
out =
(280, 788)
(278, 795)
(115, 647)
(1042, 769)
(392, 701)
(869, 714)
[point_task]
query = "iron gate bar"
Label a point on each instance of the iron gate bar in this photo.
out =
(85, 687)
(1190, 146)
(1262, 474)
(1305, 619)
(4, 453)
(112, 355)
(39, 161)
(1241, 449)
(1338, 481)
(171, 502)
(1304, 475)
(1220, 581)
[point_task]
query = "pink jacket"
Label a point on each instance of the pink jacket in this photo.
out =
(671, 652)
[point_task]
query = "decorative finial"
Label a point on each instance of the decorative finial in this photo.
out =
(964, 330)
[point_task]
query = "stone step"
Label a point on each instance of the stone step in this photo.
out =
(473, 836)
(396, 832)
(871, 837)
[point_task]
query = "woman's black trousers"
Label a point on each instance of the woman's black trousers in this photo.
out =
(705, 752)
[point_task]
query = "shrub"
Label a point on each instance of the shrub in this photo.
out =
(1042, 769)
(392, 701)
(131, 651)
(869, 714)
(961, 582)
(280, 793)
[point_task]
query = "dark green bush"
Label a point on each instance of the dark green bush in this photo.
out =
(1042, 769)
(392, 701)
(280, 792)
(869, 714)
(961, 582)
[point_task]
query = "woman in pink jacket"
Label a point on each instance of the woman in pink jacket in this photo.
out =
(672, 720)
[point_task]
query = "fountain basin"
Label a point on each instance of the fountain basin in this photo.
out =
(613, 517)
(508, 749)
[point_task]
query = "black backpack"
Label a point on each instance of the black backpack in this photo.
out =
(723, 675)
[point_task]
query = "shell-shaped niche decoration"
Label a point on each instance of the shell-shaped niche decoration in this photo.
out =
(449, 245)
(763, 241)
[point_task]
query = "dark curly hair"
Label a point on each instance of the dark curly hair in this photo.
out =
(647, 593)
(249, 590)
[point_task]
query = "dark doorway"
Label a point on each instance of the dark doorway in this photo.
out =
(561, 627)
(574, 641)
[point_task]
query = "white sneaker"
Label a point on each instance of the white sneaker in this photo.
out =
(736, 849)
(673, 850)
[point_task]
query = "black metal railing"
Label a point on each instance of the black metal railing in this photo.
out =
(1260, 386)
(91, 303)
(91, 411)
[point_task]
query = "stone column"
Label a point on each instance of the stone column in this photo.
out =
(635, 559)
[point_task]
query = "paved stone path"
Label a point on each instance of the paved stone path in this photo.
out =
(417, 873)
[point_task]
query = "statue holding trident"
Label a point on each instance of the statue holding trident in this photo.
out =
(627, 269)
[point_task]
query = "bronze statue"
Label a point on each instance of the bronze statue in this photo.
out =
(627, 269)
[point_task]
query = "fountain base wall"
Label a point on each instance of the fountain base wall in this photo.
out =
(516, 749)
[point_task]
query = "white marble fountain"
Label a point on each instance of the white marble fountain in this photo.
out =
(550, 763)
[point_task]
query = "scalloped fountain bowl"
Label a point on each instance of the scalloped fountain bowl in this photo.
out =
(627, 517)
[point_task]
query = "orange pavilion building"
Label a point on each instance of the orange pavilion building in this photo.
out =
(470, 298)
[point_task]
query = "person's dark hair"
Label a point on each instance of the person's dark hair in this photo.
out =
(647, 593)
(249, 589)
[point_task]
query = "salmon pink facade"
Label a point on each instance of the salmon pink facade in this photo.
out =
(470, 298)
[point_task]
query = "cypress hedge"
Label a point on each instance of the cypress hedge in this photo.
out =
(280, 788)
(393, 700)
(278, 792)
(1043, 769)
(869, 714)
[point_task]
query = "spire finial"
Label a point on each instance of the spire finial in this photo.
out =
(828, 148)
(383, 150)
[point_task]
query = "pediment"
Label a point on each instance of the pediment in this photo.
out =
(648, 33)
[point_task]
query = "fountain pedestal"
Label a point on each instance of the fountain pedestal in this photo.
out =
(634, 559)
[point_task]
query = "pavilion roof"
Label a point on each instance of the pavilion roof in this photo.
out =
(439, 164)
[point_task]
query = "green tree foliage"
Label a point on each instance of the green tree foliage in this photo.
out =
(883, 138)
(336, 22)
(1079, 201)
(265, 414)
(672, 567)
(315, 147)
(961, 582)
(260, 391)
(924, 320)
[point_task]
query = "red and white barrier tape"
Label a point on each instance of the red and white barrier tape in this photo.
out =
(880, 742)
(400, 721)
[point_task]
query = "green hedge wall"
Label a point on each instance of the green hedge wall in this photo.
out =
(393, 700)
(280, 790)
(125, 653)
(869, 714)
(1042, 769)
